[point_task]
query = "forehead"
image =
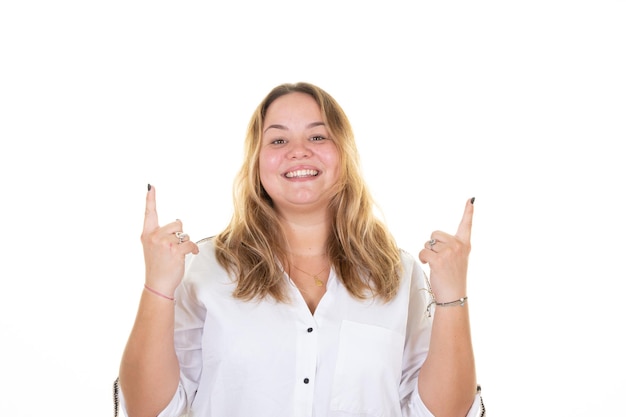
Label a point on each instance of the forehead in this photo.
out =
(293, 107)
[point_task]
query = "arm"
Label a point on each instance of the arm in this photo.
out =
(447, 381)
(149, 370)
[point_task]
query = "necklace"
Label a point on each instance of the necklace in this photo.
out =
(315, 277)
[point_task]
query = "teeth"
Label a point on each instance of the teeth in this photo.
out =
(302, 173)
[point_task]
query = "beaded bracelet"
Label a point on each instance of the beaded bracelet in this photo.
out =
(159, 294)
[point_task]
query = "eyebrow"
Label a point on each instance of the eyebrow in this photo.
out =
(282, 127)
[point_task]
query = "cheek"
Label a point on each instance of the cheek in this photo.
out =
(332, 160)
(268, 164)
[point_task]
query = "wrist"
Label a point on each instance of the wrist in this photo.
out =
(158, 293)
(460, 302)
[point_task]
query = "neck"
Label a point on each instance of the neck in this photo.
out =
(306, 237)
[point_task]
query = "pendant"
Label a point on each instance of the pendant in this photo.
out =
(318, 282)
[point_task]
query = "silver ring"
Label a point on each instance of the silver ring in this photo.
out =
(180, 236)
(432, 242)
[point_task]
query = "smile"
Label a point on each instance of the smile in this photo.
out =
(302, 173)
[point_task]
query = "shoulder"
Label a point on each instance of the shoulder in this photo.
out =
(206, 249)
(416, 282)
(204, 275)
(407, 259)
(207, 241)
(203, 263)
(412, 270)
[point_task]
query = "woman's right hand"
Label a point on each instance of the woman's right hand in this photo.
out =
(164, 253)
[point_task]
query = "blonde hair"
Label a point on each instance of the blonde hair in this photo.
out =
(359, 246)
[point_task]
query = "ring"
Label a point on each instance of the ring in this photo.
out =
(432, 242)
(180, 236)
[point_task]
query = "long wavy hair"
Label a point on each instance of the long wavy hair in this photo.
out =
(360, 246)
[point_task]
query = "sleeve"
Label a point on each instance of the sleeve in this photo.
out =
(174, 409)
(417, 342)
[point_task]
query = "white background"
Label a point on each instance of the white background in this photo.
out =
(520, 104)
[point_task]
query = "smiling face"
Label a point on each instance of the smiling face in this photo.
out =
(298, 160)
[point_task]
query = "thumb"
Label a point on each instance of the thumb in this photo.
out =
(151, 220)
(464, 232)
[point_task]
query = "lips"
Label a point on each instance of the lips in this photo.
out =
(302, 173)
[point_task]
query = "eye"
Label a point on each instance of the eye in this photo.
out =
(278, 141)
(318, 138)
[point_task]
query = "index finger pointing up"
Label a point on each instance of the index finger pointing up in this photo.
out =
(464, 231)
(151, 220)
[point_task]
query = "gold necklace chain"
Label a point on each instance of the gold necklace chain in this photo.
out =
(315, 277)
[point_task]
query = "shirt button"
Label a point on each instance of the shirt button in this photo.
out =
(310, 329)
(306, 380)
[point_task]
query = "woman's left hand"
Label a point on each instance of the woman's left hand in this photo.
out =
(447, 257)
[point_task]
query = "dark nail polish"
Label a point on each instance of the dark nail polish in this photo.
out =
(149, 187)
(472, 201)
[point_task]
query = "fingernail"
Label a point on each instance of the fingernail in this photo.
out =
(149, 187)
(472, 200)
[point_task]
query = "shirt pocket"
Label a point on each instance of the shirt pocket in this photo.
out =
(368, 371)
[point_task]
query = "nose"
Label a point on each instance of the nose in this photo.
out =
(299, 149)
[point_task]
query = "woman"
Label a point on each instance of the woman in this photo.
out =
(303, 305)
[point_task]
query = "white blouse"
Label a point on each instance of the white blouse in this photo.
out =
(268, 359)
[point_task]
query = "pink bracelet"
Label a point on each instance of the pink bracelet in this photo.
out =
(158, 293)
